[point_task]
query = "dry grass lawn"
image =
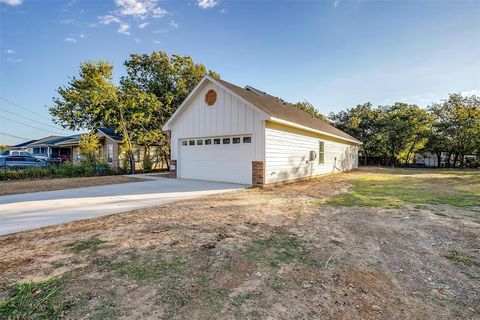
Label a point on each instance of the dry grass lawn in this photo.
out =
(369, 244)
(26, 186)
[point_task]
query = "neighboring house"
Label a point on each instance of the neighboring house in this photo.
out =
(67, 148)
(426, 159)
(222, 132)
(429, 159)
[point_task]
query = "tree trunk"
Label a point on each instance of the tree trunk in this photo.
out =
(455, 159)
(439, 159)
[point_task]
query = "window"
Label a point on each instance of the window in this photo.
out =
(208, 141)
(184, 142)
(226, 140)
(110, 153)
(191, 142)
(199, 142)
(321, 152)
(235, 140)
(247, 139)
(216, 141)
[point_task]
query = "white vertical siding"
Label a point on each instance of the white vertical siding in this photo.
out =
(287, 153)
(227, 117)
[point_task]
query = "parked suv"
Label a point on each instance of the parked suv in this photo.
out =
(20, 162)
(15, 153)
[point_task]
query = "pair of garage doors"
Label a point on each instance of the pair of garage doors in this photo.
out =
(225, 159)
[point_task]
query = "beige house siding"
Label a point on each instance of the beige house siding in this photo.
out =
(287, 154)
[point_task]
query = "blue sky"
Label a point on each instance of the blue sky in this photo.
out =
(335, 54)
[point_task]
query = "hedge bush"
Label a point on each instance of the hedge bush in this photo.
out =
(65, 170)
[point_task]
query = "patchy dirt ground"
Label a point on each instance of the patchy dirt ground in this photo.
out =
(26, 186)
(282, 252)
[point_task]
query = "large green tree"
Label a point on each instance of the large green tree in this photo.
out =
(152, 89)
(170, 79)
(309, 108)
(457, 125)
(363, 123)
(92, 100)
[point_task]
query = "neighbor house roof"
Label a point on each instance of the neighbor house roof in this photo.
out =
(53, 141)
(274, 108)
(280, 109)
(26, 143)
(111, 133)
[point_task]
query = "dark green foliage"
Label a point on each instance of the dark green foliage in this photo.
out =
(65, 170)
(309, 108)
(398, 131)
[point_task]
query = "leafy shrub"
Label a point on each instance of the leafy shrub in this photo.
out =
(65, 170)
(147, 163)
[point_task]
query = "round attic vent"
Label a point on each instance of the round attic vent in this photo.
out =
(210, 97)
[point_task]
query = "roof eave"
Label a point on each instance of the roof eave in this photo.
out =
(299, 126)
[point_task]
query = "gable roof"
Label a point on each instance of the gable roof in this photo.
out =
(280, 109)
(277, 109)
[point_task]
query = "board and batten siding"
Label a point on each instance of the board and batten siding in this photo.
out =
(287, 154)
(229, 116)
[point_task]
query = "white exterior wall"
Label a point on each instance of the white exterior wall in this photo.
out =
(287, 152)
(229, 116)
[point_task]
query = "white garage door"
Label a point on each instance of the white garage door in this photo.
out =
(226, 159)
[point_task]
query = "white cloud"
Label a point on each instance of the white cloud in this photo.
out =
(173, 24)
(12, 2)
(336, 3)
(475, 92)
(140, 8)
(223, 11)
(67, 21)
(143, 25)
(9, 51)
(13, 60)
(82, 36)
(123, 28)
(205, 4)
(157, 41)
(109, 19)
(70, 39)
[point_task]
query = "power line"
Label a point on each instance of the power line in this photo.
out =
(27, 125)
(43, 124)
(24, 108)
(13, 136)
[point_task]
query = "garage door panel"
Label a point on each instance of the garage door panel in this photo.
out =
(222, 162)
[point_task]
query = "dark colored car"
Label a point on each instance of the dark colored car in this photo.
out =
(20, 162)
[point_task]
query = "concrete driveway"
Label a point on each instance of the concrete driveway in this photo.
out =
(33, 210)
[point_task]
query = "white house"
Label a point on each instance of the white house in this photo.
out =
(222, 132)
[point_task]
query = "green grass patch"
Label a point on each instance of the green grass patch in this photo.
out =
(35, 300)
(279, 248)
(394, 190)
(148, 270)
(109, 309)
(336, 242)
(461, 258)
(276, 284)
(245, 297)
(89, 244)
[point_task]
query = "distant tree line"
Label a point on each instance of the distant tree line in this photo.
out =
(392, 135)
